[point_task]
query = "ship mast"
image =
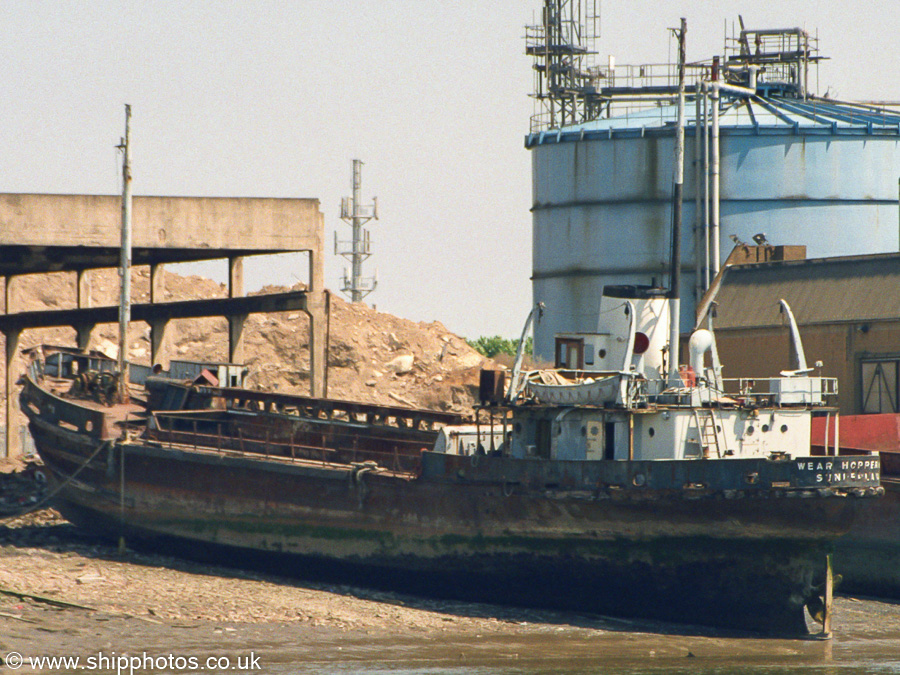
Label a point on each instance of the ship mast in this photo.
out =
(675, 275)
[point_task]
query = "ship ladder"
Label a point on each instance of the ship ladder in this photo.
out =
(709, 430)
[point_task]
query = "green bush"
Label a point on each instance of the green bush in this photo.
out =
(491, 346)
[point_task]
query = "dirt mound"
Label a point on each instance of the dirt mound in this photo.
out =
(372, 357)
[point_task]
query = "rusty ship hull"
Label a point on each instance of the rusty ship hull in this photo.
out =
(572, 535)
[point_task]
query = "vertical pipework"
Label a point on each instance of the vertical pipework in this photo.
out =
(706, 260)
(125, 259)
(714, 197)
(698, 235)
(752, 74)
(675, 275)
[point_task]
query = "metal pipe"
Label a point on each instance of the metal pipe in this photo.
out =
(630, 436)
(837, 434)
(714, 217)
(125, 260)
(675, 276)
(753, 74)
(698, 235)
(733, 89)
(706, 261)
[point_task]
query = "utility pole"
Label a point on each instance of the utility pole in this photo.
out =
(125, 259)
(356, 215)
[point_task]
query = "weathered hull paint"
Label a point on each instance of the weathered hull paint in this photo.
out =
(746, 562)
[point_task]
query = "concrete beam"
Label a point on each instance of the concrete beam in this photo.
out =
(160, 222)
(187, 309)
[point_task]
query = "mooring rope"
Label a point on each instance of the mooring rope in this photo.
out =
(43, 502)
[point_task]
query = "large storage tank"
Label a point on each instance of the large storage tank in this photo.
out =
(812, 172)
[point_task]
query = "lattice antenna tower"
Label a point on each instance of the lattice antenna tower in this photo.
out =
(563, 46)
(358, 248)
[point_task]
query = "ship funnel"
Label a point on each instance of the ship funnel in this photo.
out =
(647, 318)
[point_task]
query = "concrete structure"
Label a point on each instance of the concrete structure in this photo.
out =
(848, 311)
(812, 172)
(47, 233)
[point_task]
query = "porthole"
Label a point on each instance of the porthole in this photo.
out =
(595, 430)
(89, 426)
(765, 428)
(651, 432)
(750, 430)
(783, 428)
(601, 353)
(584, 431)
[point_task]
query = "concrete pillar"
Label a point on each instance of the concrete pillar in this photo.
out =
(83, 335)
(236, 277)
(236, 338)
(12, 446)
(159, 328)
(315, 308)
(158, 334)
(13, 442)
(157, 283)
(236, 323)
(8, 291)
(82, 289)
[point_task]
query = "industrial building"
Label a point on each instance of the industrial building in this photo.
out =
(764, 158)
(848, 311)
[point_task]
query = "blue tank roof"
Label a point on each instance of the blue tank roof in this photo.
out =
(756, 115)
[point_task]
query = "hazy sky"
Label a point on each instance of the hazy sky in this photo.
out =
(274, 99)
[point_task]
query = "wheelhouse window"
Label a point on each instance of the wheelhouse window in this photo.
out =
(881, 385)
